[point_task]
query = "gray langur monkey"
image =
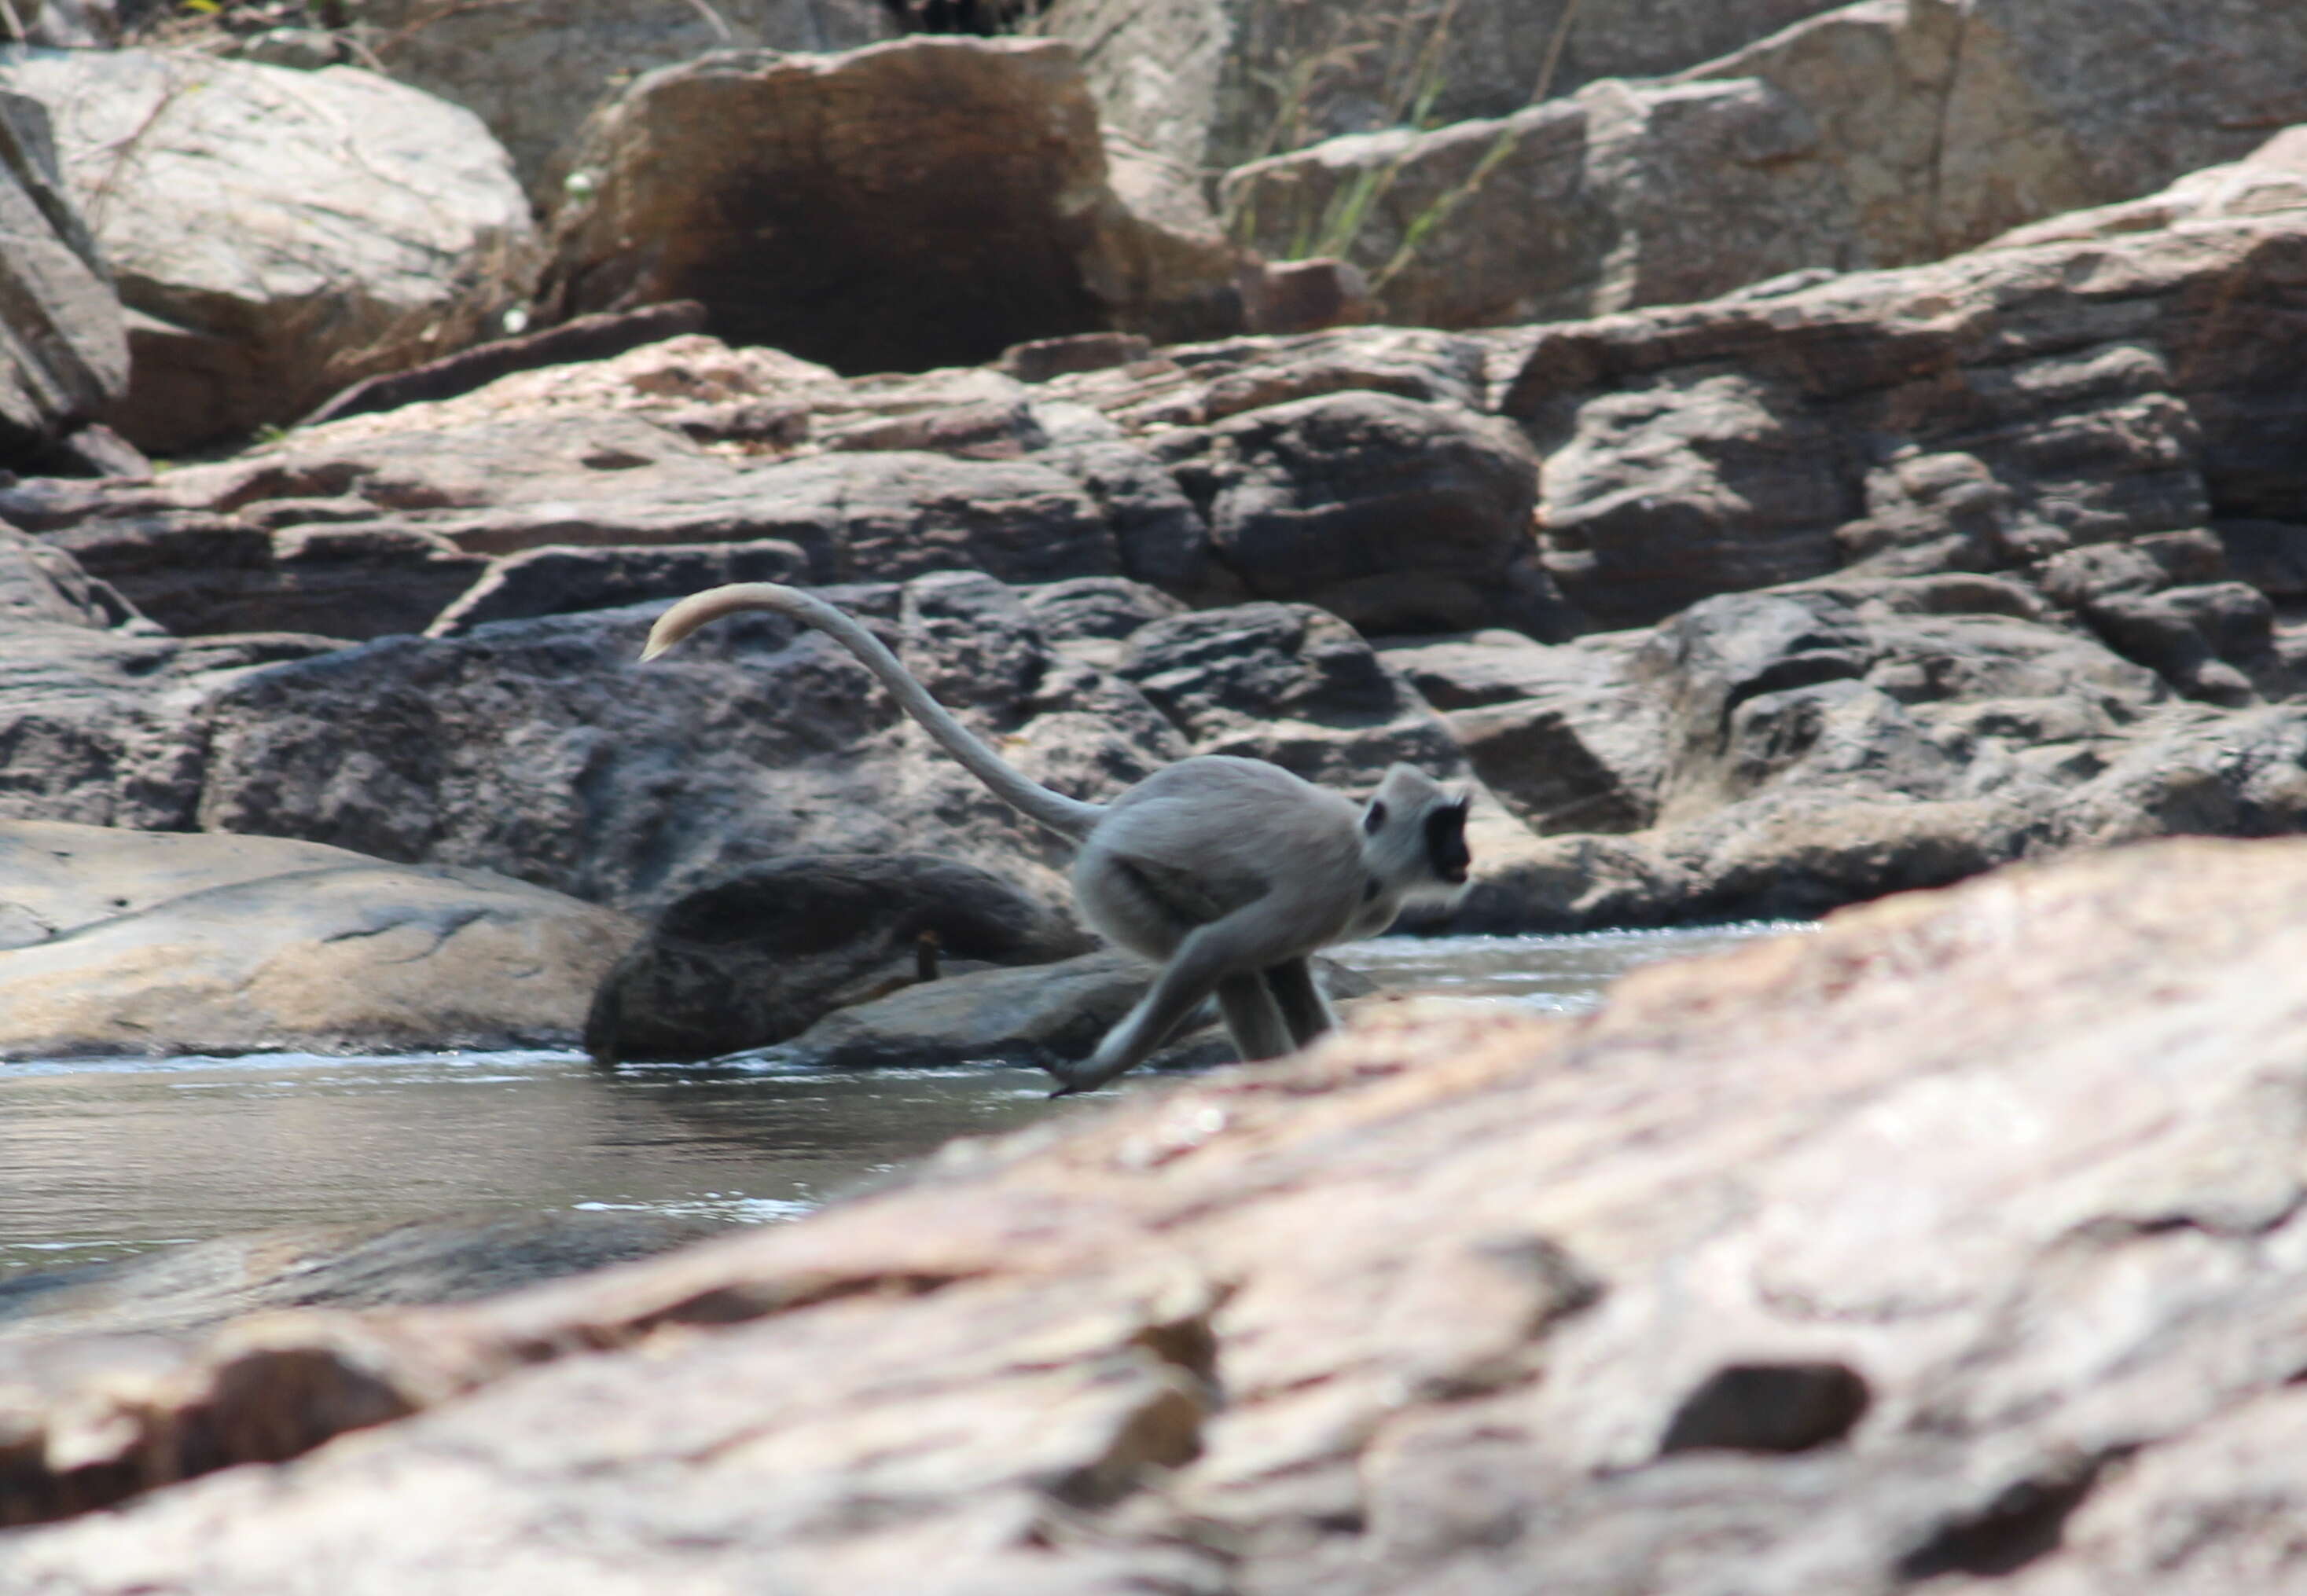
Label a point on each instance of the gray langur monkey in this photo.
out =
(1228, 873)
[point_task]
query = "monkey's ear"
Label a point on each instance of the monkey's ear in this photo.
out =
(1374, 816)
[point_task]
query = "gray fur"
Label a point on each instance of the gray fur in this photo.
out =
(1226, 872)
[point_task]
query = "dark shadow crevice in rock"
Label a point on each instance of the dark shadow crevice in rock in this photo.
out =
(2022, 1522)
(1769, 1407)
(270, 1402)
(1164, 1432)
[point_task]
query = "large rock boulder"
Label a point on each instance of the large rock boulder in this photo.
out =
(1566, 737)
(63, 347)
(924, 202)
(1780, 751)
(150, 942)
(1208, 84)
(533, 70)
(762, 955)
(1880, 134)
(1288, 684)
(371, 226)
(1992, 412)
(1953, 1246)
(1395, 515)
(99, 708)
(544, 749)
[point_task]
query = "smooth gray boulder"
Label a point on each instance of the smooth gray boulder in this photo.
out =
(1044, 1015)
(63, 345)
(372, 227)
(152, 943)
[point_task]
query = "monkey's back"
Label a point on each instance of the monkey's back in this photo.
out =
(1209, 835)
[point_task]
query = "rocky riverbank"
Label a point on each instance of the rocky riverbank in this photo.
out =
(1955, 1243)
(1772, 454)
(1743, 609)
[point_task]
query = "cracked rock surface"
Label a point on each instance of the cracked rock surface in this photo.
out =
(1959, 1242)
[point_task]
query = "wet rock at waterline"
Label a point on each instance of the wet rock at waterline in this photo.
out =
(1794, 1246)
(1046, 1016)
(203, 1283)
(760, 956)
(119, 942)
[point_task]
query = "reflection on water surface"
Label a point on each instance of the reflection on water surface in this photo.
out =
(101, 1159)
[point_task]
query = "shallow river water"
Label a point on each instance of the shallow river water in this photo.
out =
(99, 1159)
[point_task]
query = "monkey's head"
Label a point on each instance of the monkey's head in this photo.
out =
(1414, 836)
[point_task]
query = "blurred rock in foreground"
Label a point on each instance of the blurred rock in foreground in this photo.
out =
(1960, 1241)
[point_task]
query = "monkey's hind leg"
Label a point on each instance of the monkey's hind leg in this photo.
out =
(1303, 1009)
(1252, 1018)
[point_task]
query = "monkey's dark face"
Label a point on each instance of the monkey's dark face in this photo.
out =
(1415, 843)
(1446, 854)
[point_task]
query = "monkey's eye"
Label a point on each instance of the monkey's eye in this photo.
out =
(1374, 818)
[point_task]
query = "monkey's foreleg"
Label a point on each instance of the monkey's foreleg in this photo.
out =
(1244, 942)
(1303, 1009)
(1252, 1018)
(1174, 996)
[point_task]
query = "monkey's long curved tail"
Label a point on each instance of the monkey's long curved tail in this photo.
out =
(1070, 818)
